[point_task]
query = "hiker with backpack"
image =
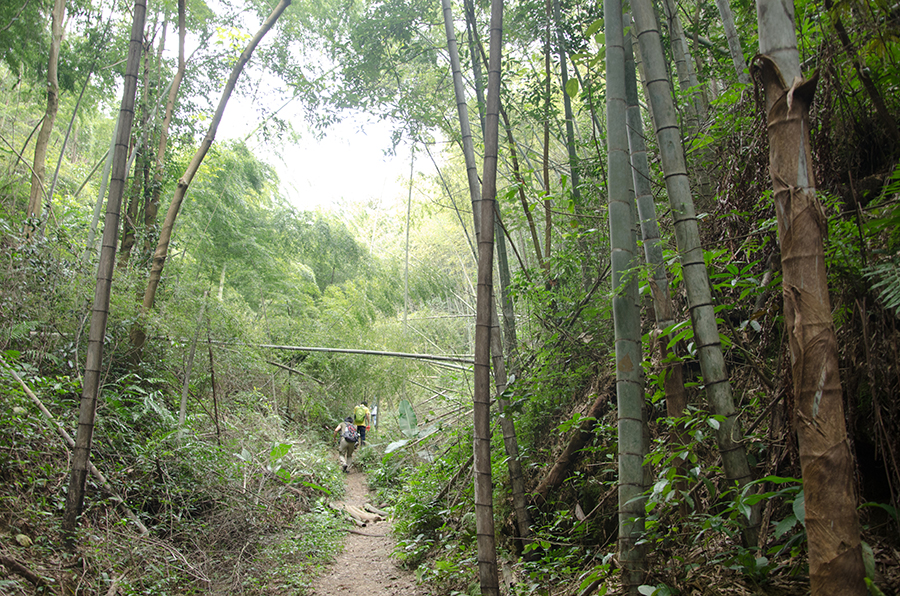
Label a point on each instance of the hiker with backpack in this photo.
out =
(349, 439)
(362, 418)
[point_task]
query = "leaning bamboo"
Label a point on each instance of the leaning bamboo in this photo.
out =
(165, 236)
(696, 277)
(100, 309)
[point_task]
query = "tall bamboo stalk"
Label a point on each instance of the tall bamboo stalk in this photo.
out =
(100, 310)
(696, 277)
(734, 42)
(510, 441)
(626, 312)
(484, 492)
(663, 309)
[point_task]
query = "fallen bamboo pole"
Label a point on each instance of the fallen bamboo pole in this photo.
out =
(434, 357)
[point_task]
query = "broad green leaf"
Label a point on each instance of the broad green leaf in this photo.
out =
(572, 88)
(279, 451)
(396, 445)
(407, 415)
(784, 525)
(594, 27)
(868, 558)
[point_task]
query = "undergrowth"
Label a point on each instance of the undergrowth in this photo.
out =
(239, 510)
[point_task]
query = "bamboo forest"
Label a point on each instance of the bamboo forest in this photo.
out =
(592, 298)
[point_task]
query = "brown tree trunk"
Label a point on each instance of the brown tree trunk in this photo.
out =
(835, 555)
(560, 470)
(39, 168)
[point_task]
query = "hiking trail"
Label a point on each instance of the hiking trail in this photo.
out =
(365, 567)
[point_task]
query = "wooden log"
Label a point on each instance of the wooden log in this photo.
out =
(376, 511)
(560, 469)
(365, 515)
(361, 515)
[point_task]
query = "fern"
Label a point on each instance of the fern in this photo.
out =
(885, 278)
(18, 331)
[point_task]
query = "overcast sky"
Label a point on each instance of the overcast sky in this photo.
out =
(349, 163)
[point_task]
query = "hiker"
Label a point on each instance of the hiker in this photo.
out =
(362, 418)
(349, 439)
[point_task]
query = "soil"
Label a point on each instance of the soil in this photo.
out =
(365, 567)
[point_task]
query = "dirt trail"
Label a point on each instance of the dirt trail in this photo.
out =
(365, 568)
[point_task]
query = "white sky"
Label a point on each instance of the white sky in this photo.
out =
(348, 163)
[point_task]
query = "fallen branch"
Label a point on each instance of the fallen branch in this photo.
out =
(560, 469)
(71, 443)
(358, 533)
(20, 569)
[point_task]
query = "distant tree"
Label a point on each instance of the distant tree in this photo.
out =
(22, 28)
(38, 178)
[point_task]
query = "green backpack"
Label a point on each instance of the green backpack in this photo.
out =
(359, 414)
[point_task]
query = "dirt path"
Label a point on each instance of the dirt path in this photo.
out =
(365, 568)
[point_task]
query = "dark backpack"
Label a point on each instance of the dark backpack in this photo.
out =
(349, 433)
